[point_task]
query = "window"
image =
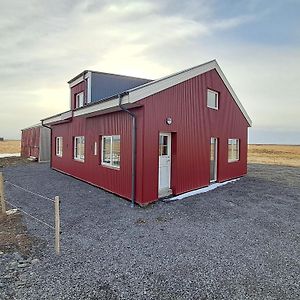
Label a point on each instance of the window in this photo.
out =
(95, 148)
(79, 100)
(111, 151)
(212, 99)
(233, 150)
(59, 146)
(163, 145)
(79, 148)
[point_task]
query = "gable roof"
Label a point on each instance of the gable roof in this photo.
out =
(135, 94)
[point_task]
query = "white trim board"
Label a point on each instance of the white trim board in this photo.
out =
(201, 191)
(33, 126)
(63, 116)
(153, 87)
(156, 86)
(2, 155)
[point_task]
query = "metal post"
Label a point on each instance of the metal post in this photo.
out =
(3, 206)
(57, 225)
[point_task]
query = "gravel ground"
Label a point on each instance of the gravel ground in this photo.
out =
(240, 241)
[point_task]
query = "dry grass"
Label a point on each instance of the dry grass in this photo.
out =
(287, 155)
(10, 146)
(14, 235)
(13, 161)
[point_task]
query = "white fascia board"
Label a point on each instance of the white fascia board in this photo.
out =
(33, 126)
(169, 81)
(233, 94)
(89, 86)
(57, 118)
(156, 86)
(87, 75)
(75, 82)
(101, 106)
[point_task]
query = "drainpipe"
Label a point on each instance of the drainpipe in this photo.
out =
(133, 153)
(50, 142)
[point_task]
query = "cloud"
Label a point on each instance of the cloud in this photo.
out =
(45, 43)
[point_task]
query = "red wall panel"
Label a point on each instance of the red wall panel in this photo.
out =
(30, 142)
(115, 180)
(192, 127)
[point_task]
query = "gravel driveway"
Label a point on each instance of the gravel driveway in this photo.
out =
(240, 241)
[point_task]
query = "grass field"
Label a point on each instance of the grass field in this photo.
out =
(10, 146)
(286, 155)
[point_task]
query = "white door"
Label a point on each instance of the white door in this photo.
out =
(164, 172)
(213, 159)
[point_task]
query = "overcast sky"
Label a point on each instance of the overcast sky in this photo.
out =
(256, 42)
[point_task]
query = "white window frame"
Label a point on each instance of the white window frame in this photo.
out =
(216, 94)
(81, 140)
(59, 146)
(95, 148)
(231, 157)
(111, 151)
(79, 100)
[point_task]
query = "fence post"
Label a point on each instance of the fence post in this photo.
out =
(57, 225)
(3, 206)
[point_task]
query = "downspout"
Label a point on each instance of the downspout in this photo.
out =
(50, 142)
(133, 152)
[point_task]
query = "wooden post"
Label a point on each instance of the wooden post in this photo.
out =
(3, 206)
(57, 225)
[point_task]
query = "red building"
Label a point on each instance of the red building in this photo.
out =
(155, 138)
(35, 143)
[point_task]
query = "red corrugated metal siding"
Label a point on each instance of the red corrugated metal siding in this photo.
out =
(30, 142)
(78, 88)
(91, 170)
(193, 126)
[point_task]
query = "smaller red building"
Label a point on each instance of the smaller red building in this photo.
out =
(144, 139)
(35, 143)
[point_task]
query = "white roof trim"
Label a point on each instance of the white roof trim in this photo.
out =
(156, 86)
(57, 118)
(233, 94)
(87, 75)
(98, 106)
(33, 126)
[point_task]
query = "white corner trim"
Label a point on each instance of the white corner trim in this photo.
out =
(89, 87)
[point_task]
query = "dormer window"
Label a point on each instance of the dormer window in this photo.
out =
(212, 99)
(79, 100)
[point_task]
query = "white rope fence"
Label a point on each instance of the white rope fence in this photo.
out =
(56, 202)
(31, 216)
(28, 191)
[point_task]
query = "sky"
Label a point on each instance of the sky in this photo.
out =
(256, 43)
